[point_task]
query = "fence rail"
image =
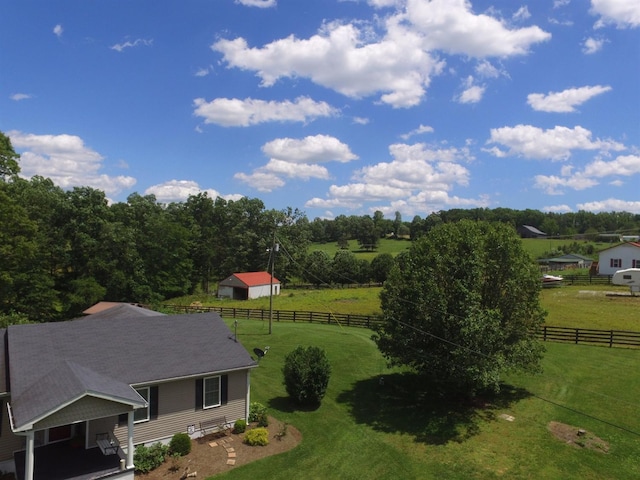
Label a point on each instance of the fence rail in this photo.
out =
(591, 336)
(547, 333)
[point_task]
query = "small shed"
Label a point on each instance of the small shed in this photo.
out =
(247, 286)
(527, 231)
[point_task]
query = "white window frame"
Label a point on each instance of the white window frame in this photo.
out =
(616, 263)
(144, 392)
(209, 382)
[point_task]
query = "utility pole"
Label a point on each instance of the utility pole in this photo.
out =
(274, 249)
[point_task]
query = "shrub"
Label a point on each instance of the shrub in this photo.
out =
(146, 459)
(180, 444)
(257, 436)
(306, 375)
(263, 421)
(256, 411)
(240, 426)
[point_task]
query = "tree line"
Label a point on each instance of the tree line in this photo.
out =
(61, 251)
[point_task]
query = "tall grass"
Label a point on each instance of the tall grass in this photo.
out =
(396, 429)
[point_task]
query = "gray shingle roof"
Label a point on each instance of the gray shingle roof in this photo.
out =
(50, 363)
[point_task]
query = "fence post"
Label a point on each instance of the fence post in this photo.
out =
(544, 333)
(577, 335)
(611, 339)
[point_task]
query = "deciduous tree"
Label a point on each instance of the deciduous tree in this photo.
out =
(462, 307)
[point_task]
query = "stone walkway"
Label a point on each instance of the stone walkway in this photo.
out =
(225, 443)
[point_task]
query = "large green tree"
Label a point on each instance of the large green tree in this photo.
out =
(462, 307)
(8, 158)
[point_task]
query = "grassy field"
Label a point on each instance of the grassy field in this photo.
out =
(578, 306)
(385, 246)
(537, 248)
(397, 431)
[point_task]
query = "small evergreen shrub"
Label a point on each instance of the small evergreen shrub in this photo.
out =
(240, 426)
(306, 375)
(180, 444)
(146, 459)
(257, 437)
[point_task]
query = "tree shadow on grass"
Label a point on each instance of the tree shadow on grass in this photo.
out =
(403, 403)
(285, 404)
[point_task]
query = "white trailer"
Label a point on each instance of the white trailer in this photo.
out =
(628, 276)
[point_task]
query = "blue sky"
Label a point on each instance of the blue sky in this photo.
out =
(333, 107)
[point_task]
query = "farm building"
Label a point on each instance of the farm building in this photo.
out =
(527, 231)
(563, 262)
(619, 257)
(247, 286)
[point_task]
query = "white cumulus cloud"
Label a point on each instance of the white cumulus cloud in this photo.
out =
(180, 190)
(58, 31)
(66, 160)
(397, 63)
(554, 144)
(418, 179)
(622, 13)
(564, 101)
(234, 112)
(592, 45)
(296, 159)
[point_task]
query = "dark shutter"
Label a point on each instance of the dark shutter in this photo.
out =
(153, 402)
(224, 389)
(199, 393)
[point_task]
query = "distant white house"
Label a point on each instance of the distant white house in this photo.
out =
(625, 255)
(247, 286)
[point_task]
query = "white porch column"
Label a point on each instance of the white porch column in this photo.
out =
(248, 405)
(28, 456)
(130, 440)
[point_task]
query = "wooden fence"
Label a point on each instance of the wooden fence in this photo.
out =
(587, 279)
(590, 336)
(346, 320)
(610, 338)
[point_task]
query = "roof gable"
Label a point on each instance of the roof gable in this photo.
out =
(621, 245)
(105, 356)
(64, 383)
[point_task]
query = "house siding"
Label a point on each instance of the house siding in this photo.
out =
(86, 408)
(625, 252)
(9, 442)
(176, 410)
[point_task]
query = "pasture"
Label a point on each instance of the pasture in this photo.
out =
(396, 430)
(577, 306)
(537, 248)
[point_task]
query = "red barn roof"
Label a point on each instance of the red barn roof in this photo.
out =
(252, 279)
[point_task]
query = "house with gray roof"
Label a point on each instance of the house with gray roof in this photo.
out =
(100, 385)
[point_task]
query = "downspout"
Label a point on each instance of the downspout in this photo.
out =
(248, 404)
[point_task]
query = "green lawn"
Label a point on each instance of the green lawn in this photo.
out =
(385, 246)
(397, 431)
(537, 248)
(579, 306)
